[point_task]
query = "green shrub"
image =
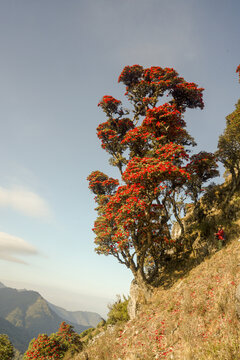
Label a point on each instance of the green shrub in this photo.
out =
(118, 311)
(101, 324)
(86, 332)
(6, 348)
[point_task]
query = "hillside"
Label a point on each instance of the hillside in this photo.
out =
(29, 310)
(19, 337)
(195, 318)
(83, 318)
(28, 313)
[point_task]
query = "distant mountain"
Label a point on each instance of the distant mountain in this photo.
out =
(19, 337)
(86, 318)
(2, 285)
(28, 312)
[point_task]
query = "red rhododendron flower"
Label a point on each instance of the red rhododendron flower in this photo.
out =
(149, 144)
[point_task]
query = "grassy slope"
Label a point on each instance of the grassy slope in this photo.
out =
(193, 319)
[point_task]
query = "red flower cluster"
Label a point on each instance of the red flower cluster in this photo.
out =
(150, 152)
(109, 100)
(110, 105)
(203, 165)
(53, 347)
(172, 151)
(101, 184)
(154, 81)
(112, 132)
(152, 171)
(238, 71)
(131, 74)
(165, 121)
(45, 347)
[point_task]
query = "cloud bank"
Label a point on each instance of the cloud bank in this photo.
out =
(24, 201)
(11, 247)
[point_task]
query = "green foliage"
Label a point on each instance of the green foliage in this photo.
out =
(54, 346)
(101, 324)
(118, 311)
(229, 151)
(211, 196)
(86, 332)
(44, 347)
(89, 334)
(229, 146)
(68, 337)
(6, 348)
(149, 144)
(202, 167)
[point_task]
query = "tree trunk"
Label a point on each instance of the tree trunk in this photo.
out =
(145, 287)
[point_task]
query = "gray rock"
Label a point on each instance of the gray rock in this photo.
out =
(138, 296)
(132, 304)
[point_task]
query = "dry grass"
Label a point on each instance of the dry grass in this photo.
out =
(194, 319)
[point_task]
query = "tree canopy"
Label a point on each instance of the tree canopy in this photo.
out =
(150, 146)
(229, 145)
(54, 346)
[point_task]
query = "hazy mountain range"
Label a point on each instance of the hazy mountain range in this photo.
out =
(24, 314)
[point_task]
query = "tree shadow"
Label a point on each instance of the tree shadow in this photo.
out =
(180, 265)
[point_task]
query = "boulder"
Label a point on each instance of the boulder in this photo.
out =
(138, 296)
(132, 304)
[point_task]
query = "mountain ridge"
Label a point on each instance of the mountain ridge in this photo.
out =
(2, 285)
(29, 312)
(87, 318)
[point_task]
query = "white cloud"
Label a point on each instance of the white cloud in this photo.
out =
(24, 201)
(11, 247)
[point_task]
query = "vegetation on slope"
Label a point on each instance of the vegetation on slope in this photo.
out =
(65, 343)
(192, 313)
(25, 314)
(150, 145)
(193, 319)
(6, 348)
(19, 337)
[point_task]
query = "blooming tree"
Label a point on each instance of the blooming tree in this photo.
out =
(54, 346)
(150, 147)
(44, 347)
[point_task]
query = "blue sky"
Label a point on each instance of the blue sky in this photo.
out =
(58, 58)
